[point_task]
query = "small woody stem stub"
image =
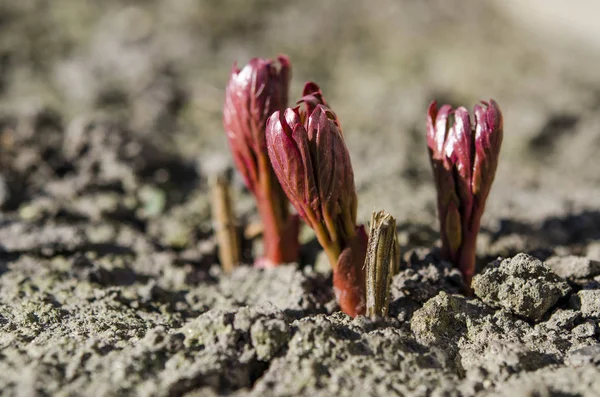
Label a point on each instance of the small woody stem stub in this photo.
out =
(224, 224)
(381, 263)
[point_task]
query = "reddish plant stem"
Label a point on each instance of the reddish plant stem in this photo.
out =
(280, 228)
(347, 263)
(467, 253)
(349, 275)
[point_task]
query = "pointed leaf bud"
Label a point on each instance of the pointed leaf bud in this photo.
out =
(288, 148)
(464, 157)
(488, 139)
(312, 163)
(458, 155)
(311, 97)
(252, 95)
(437, 129)
(331, 162)
(313, 166)
(438, 132)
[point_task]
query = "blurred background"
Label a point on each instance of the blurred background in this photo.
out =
(157, 70)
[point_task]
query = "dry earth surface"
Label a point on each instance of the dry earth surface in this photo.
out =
(110, 125)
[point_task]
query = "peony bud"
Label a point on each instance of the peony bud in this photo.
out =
(312, 164)
(288, 148)
(464, 160)
(252, 95)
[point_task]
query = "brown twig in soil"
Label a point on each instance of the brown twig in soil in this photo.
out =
(382, 262)
(224, 224)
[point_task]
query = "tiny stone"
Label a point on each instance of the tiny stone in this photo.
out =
(562, 319)
(268, 337)
(585, 330)
(589, 302)
(444, 319)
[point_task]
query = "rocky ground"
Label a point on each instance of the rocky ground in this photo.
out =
(110, 128)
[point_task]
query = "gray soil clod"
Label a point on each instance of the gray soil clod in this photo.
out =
(523, 285)
(574, 267)
(588, 302)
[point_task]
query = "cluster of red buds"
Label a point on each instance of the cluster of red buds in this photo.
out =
(312, 163)
(464, 157)
(298, 155)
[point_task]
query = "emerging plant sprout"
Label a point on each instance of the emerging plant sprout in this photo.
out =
(312, 163)
(464, 157)
(252, 95)
(382, 262)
